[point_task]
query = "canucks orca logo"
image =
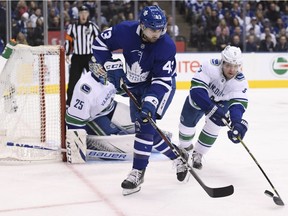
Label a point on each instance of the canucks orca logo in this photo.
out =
(85, 88)
(215, 62)
(280, 65)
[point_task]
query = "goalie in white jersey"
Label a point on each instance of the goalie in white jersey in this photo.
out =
(219, 89)
(93, 111)
(93, 107)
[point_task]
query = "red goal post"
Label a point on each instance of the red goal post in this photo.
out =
(32, 104)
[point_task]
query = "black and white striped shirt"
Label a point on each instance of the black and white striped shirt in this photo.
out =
(80, 38)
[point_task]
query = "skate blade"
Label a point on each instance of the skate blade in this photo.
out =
(127, 192)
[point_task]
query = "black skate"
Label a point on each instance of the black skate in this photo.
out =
(189, 148)
(181, 164)
(132, 184)
(197, 160)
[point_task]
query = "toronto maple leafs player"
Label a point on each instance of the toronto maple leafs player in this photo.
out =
(150, 71)
(219, 89)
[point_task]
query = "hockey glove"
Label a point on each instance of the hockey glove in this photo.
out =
(115, 73)
(216, 114)
(238, 130)
(148, 108)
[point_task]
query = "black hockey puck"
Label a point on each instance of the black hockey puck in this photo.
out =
(269, 193)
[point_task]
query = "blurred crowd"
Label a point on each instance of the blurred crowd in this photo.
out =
(254, 26)
(27, 17)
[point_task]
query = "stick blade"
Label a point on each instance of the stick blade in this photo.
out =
(211, 191)
(220, 192)
(278, 201)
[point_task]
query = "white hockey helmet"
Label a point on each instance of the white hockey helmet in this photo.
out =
(232, 55)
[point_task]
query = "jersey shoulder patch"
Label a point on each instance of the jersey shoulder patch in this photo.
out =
(85, 88)
(215, 62)
(240, 76)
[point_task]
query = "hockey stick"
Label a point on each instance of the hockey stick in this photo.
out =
(89, 153)
(212, 192)
(277, 200)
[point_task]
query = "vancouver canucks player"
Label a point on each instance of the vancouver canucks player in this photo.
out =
(150, 71)
(219, 89)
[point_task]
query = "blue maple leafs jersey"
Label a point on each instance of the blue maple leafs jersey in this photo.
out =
(146, 63)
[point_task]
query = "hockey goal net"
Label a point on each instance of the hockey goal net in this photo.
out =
(32, 104)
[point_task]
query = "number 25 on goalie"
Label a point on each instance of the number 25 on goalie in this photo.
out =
(79, 104)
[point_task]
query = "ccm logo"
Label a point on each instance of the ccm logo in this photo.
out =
(68, 154)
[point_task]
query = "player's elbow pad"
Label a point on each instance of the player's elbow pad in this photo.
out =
(201, 98)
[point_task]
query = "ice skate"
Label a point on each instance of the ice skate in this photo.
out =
(181, 164)
(132, 184)
(197, 160)
(189, 148)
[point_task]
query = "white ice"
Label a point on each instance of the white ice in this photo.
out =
(60, 189)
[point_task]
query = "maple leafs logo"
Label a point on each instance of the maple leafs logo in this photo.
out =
(135, 74)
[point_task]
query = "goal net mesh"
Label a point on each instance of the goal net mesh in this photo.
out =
(32, 103)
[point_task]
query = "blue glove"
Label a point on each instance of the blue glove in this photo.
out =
(216, 114)
(148, 108)
(115, 73)
(238, 129)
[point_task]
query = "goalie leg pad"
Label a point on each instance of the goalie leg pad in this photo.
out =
(121, 118)
(76, 146)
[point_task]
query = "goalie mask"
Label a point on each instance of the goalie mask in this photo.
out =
(98, 70)
(153, 23)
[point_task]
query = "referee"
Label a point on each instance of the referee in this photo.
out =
(79, 39)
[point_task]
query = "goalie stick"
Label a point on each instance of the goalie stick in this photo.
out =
(90, 153)
(212, 192)
(277, 199)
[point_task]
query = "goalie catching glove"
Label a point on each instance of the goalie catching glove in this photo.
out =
(238, 131)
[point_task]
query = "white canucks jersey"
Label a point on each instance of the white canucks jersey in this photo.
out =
(211, 78)
(90, 99)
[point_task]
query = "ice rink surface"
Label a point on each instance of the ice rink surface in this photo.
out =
(60, 189)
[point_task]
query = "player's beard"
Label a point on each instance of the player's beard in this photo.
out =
(149, 37)
(149, 40)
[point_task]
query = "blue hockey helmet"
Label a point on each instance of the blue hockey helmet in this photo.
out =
(153, 17)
